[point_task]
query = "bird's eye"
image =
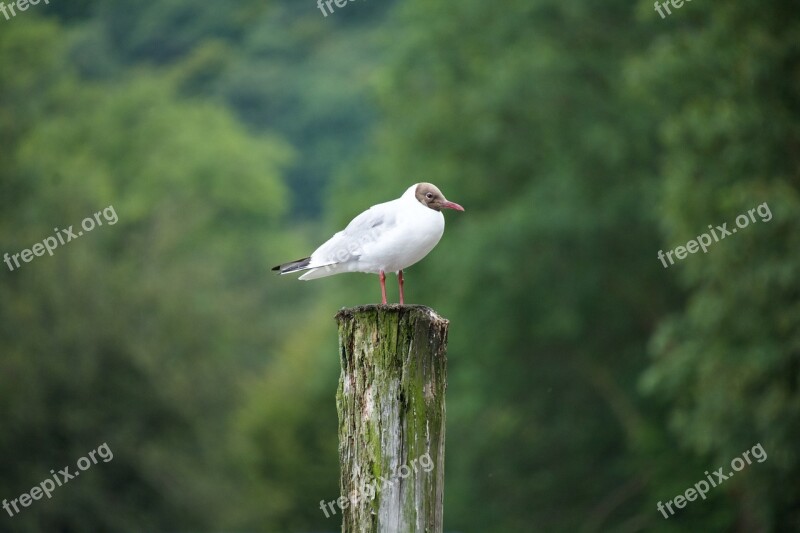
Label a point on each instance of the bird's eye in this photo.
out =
(429, 196)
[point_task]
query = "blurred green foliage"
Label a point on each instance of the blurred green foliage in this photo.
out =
(587, 382)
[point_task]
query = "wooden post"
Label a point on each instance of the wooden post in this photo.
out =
(391, 418)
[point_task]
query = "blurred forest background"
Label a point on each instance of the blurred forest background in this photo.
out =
(587, 382)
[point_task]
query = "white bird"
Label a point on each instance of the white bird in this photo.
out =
(387, 237)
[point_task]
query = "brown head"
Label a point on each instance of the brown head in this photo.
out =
(430, 196)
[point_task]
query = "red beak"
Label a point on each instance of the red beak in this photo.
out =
(452, 205)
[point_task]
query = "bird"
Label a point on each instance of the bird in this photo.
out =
(387, 237)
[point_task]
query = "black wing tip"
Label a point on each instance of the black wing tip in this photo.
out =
(292, 266)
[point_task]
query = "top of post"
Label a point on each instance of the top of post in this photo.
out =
(421, 311)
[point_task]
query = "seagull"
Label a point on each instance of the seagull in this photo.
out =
(387, 237)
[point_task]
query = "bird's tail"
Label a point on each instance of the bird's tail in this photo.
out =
(294, 266)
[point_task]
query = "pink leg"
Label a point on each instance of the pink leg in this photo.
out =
(400, 281)
(383, 287)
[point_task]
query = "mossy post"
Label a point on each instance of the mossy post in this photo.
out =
(391, 418)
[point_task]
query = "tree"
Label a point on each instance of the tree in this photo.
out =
(136, 333)
(728, 364)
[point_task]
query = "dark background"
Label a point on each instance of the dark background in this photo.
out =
(587, 382)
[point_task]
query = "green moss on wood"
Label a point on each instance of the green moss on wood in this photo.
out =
(391, 408)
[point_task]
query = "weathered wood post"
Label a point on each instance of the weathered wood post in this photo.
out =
(391, 418)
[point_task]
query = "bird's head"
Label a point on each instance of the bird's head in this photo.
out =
(430, 196)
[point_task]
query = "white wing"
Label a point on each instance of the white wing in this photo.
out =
(347, 245)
